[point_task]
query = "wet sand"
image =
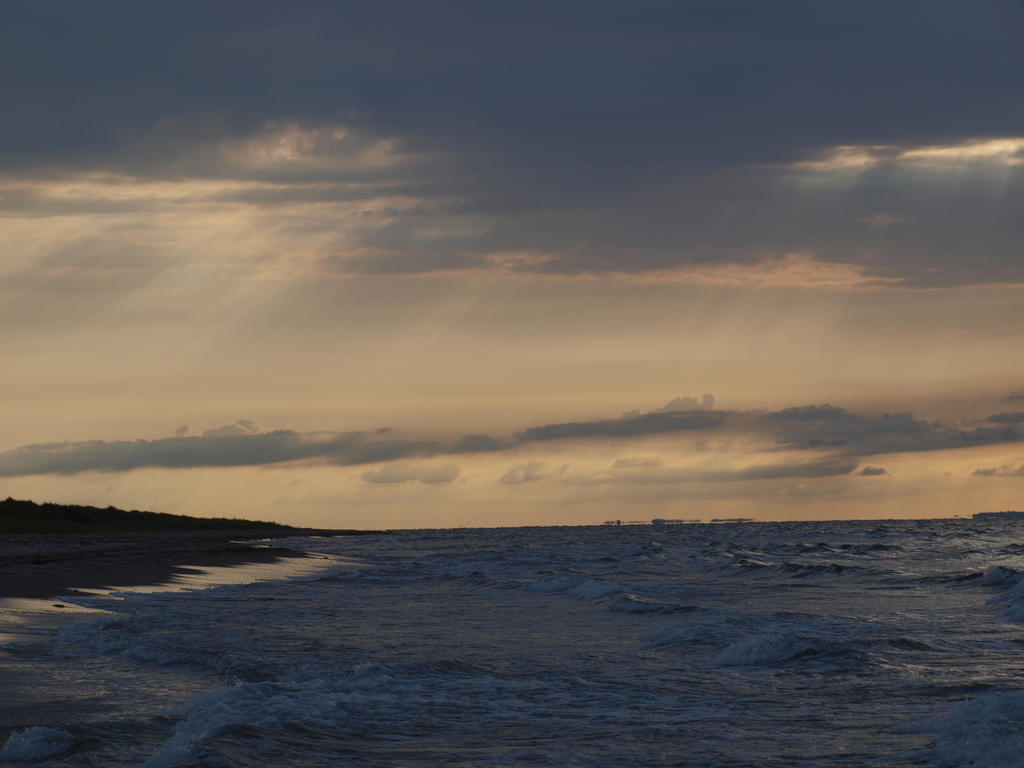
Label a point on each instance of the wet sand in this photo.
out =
(47, 565)
(36, 569)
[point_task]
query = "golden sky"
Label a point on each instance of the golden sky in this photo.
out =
(582, 293)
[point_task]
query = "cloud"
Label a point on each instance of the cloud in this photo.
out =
(1015, 417)
(239, 428)
(232, 446)
(477, 444)
(823, 468)
(651, 472)
(835, 432)
(706, 403)
(391, 474)
(400, 473)
(1004, 471)
(614, 65)
(637, 461)
(181, 431)
(628, 426)
(869, 471)
(370, 452)
(446, 473)
(174, 452)
(614, 142)
(677, 404)
(810, 413)
(776, 471)
(829, 427)
(531, 472)
(813, 427)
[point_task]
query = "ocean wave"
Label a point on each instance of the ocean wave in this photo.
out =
(581, 589)
(789, 569)
(645, 549)
(386, 704)
(984, 732)
(36, 743)
(1012, 600)
(770, 649)
(629, 603)
(675, 634)
(515, 647)
(121, 637)
(999, 574)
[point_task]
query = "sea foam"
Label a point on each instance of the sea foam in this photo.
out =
(36, 743)
(985, 732)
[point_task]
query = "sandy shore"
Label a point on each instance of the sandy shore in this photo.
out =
(45, 565)
(35, 569)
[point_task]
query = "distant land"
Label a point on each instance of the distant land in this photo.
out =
(17, 517)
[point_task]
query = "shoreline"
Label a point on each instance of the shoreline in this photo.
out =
(42, 574)
(48, 565)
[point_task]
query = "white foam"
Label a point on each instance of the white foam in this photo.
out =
(36, 743)
(371, 696)
(762, 650)
(1013, 597)
(981, 733)
(998, 574)
(121, 636)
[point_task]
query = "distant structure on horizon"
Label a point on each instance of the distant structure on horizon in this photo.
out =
(732, 520)
(655, 521)
(673, 520)
(626, 522)
(1010, 513)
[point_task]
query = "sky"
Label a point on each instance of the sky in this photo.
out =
(400, 264)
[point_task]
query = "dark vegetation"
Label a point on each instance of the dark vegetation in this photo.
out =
(29, 517)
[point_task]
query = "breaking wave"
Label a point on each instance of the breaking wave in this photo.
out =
(565, 646)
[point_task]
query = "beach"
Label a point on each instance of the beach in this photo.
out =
(44, 577)
(48, 565)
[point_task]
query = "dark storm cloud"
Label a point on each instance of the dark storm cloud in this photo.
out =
(652, 83)
(616, 137)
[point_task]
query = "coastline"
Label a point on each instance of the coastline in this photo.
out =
(43, 566)
(39, 572)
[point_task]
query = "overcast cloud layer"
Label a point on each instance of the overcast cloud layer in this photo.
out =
(555, 137)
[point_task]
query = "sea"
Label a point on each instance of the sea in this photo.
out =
(833, 644)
